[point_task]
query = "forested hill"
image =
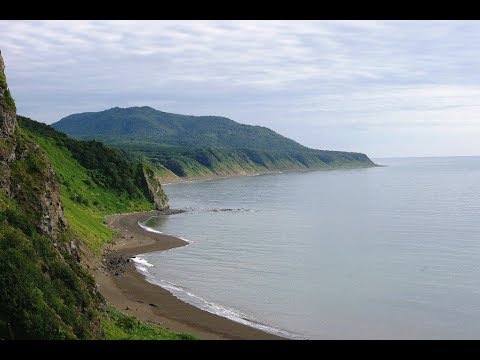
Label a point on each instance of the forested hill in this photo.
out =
(120, 125)
(54, 195)
(197, 146)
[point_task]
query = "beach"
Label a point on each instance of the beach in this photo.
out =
(125, 288)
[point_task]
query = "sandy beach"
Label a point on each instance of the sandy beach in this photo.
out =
(124, 287)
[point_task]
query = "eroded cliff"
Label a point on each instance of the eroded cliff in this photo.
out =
(25, 173)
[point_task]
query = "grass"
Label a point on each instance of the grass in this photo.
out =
(85, 203)
(47, 296)
(9, 103)
(173, 162)
(119, 326)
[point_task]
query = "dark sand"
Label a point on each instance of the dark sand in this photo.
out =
(132, 294)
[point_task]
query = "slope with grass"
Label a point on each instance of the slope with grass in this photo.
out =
(197, 146)
(54, 193)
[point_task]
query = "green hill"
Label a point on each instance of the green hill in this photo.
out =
(196, 146)
(124, 125)
(54, 194)
(94, 180)
(45, 292)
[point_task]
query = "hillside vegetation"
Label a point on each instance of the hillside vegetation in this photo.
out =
(94, 181)
(44, 291)
(196, 146)
(152, 126)
(54, 192)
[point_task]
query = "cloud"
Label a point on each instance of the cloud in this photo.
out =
(280, 74)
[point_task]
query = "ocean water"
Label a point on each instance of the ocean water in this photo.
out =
(381, 253)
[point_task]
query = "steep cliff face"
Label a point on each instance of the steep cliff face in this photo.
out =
(34, 185)
(25, 173)
(7, 128)
(44, 292)
(7, 105)
(159, 197)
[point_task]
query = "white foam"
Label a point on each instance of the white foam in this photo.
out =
(149, 229)
(197, 301)
(142, 261)
(192, 299)
(145, 227)
(141, 269)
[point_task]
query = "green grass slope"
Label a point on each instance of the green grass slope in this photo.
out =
(44, 292)
(199, 146)
(119, 326)
(173, 162)
(152, 127)
(94, 182)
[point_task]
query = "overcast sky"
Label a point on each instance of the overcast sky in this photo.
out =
(394, 88)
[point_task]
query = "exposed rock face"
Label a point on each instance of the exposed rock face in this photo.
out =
(7, 119)
(71, 247)
(25, 173)
(53, 219)
(7, 156)
(34, 185)
(7, 112)
(7, 128)
(159, 197)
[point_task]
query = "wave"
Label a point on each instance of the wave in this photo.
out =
(139, 260)
(186, 296)
(149, 229)
(192, 299)
(145, 227)
(231, 210)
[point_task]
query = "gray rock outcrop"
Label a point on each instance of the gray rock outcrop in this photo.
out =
(159, 197)
(37, 190)
(7, 128)
(7, 107)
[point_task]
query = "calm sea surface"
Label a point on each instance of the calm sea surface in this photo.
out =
(379, 253)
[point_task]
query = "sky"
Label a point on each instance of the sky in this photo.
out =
(384, 88)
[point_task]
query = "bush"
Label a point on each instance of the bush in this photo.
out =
(42, 296)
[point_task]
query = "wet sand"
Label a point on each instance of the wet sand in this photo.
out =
(128, 290)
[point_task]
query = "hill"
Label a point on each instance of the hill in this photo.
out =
(198, 146)
(123, 125)
(54, 193)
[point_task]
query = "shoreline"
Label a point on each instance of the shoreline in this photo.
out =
(129, 291)
(255, 173)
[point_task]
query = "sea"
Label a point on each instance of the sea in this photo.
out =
(389, 252)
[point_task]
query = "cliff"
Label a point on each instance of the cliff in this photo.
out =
(45, 179)
(159, 197)
(7, 128)
(45, 294)
(25, 173)
(7, 105)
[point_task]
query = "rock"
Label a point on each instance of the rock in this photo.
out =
(115, 264)
(45, 199)
(8, 122)
(71, 247)
(157, 194)
(53, 220)
(8, 119)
